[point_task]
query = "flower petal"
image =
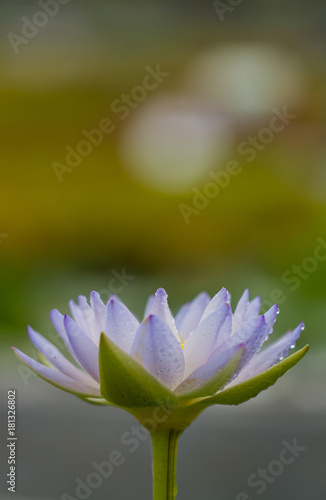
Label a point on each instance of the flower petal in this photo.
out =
(54, 356)
(57, 321)
(77, 315)
(188, 317)
(161, 309)
(157, 349)
(204, 339)
(245, 310)
(241, 308)
(252, 334)
(121, 325)
(57, 378)
(222, 297)
(148, 306)
(84, 316)
(84, 348)
(99, 314)
(88, 318)
(272, 354)
(211, 376)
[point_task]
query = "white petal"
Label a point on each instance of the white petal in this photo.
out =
(89, 319)
(271, 355)
(161, 309)
(188, 317)
(77, 314)
(251, 334)
(84, 348)
(148, 306)
(222, 297)
(210, 331)
(215, 363)
(241, 308)
(57, 378)
(57, 321)
(253, 308)
(84, 316)
(99, 314)
(158, 350)
(270, 318)
(54, 356)
(121, 325)
(245, 310)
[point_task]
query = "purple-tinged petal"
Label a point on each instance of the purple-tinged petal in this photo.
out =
(161, 309)
(253, 308)
(89, 318)
(245, 310)
(54, 356)
(256, 329)
(57, 320)
(270, 355)
(157, 349)
(222, 297)
(148, 306)
(252, 334)
(241, 308)
(57, 378)
(189, 316)
(77, 315)
(99, 313)
(205, 374)
(121, 325)
(213, 330)
(84, 348)
(270, 318)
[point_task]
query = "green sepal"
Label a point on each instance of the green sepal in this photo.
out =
(250, 388)
(215, 382)
(125, 383)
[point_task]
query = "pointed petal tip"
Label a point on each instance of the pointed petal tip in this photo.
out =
(31, 332)
(82, 301)
(67, 320)
(54, 313)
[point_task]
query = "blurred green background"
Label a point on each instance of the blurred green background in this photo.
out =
(227, 71)
(118, 211)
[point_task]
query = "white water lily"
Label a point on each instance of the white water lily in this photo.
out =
(205, 352)
(165, 370)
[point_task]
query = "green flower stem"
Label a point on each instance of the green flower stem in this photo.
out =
(165, 444)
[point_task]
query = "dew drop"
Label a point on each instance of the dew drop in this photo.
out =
(292, 346)
(281, 358)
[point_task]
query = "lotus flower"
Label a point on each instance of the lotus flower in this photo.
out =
(205, 355)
